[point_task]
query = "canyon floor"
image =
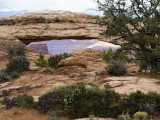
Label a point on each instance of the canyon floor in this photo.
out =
(37, 80)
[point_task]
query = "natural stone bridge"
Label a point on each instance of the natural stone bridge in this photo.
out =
(50, 25)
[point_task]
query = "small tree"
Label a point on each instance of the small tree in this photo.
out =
(107, 56)
(138, 23)
(41, 62)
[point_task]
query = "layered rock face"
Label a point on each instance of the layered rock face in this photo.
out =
(50, 25)
(38, 47)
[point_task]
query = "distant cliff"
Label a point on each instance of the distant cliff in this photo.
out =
(39, 47)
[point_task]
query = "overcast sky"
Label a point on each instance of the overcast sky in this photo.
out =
(70, 5)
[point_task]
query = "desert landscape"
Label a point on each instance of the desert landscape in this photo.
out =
(54, 33)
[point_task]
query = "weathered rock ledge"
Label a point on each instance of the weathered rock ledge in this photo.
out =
(50, 25)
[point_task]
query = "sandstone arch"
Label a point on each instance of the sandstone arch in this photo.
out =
(50, 25)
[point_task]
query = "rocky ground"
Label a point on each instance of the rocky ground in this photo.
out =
(87, 66)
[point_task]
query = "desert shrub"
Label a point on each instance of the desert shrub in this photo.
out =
(124, 117)
(16, 49)
(20, 101)
(139, 101)
(140, 116)
(81, 100)
(41, 62)
(50, 101)
(54, 60)
(3, 76)
(24, 101)
(102, 88)
(107, 56)
(116, 67)
(15, 75)
(17, 64)
(54, 115)
(121, 55)
(59, 86)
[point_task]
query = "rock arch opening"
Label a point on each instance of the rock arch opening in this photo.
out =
(69, 45)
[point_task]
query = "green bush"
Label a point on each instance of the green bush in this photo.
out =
(15, 75)
(80, 100)
(140, 116)
(16, 49)
(54, 60)
(121, 55)
(3, 76)
(102, 88)
(59, 86)
(17, 64)
(23, 101)
(139, 101)
(41, 62)
(116, 67)
(50, 101)
(107, 56)
(124, 117)
(54, 115)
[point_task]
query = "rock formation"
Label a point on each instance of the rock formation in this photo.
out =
(39, 47)
(50, 25)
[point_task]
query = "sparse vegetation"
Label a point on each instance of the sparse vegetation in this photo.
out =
(140, 116)
(139, 101)
(107, 56)
(3, 76)
(116, 67)
(17, 60)
(54, 115)
(16, 49)
(23, 101)
(41, 62)
(17, 64)
(59, 86)
(15, 75)
(54, 60)
(102, 88)
(124, 117)
(81, 100)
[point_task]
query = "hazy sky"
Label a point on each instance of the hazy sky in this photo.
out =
(71, 5)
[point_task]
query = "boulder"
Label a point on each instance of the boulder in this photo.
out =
(119, 81)
(34, 68)
(113, 84)
(126, 78)
(73, 61)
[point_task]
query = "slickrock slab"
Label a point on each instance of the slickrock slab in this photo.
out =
(119, 81)
(73, 61)
(96, 119)
(5, 84)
